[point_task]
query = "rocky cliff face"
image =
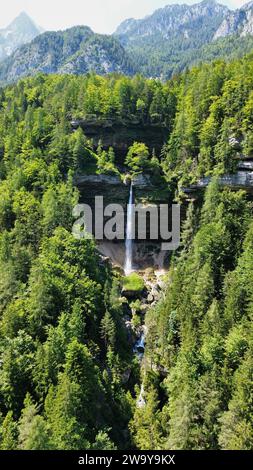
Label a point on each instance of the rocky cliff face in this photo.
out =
(146, 253)
(238, 22)
(122, 136)
(21, 31)
(241, 179)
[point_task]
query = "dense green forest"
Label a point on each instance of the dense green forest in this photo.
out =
(200, 336)
(64, 350)
(158, 58)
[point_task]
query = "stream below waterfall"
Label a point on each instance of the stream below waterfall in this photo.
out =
(139, 346)
(139, 351)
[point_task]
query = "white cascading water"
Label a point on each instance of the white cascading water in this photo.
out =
(129, 235)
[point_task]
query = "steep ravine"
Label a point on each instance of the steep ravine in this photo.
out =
(147, 259)
(139, 304)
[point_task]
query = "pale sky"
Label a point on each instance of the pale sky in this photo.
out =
(103, 16)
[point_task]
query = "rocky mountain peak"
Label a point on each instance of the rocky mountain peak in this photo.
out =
(20, 31)
(239, 22)
(21, 21)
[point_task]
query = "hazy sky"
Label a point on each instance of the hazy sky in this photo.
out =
(102, 16)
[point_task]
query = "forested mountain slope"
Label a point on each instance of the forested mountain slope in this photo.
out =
(213, 124)
(77, 50)
(163, 40)
(67, 372)
(177, 36)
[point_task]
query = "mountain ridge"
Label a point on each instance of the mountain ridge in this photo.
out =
(75, 50)
(160, 45)
(170, 13)
(175, 36)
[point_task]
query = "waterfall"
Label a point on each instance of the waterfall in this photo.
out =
(129, 235)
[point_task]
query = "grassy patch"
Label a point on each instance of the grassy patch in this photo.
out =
(133, 283)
